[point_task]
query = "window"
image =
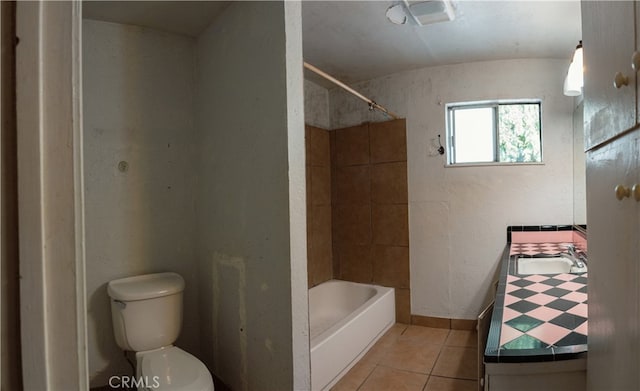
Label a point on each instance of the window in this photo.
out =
(494, 132)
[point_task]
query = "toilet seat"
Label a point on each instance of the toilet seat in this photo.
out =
(174, 370)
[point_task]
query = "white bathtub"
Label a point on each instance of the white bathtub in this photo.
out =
(346, 319)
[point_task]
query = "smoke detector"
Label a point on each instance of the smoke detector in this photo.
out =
(430, 11)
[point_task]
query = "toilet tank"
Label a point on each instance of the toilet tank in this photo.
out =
(146, 310)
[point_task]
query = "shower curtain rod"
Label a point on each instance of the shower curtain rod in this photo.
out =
(372, 104)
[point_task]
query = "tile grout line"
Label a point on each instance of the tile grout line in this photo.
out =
(367, 377)
(439, 354)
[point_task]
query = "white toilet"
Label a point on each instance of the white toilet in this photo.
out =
(147, 317)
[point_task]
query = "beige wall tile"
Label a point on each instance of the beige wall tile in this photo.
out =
(391, 266)
(389, 183)
(308, 185)
(335, 257)
(390, 224)
(307, 144)
(319, 215)
(352, 185)
(320, 185)
(319, 245)
(355, 263)
(352, 224)
(311, 262)
(388, 141)
(317, 146)
(334, 193)
(352, 146)
(403, 305)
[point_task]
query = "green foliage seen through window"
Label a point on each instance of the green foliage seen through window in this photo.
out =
(519, 132)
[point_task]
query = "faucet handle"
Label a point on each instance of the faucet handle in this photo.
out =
(570, 247)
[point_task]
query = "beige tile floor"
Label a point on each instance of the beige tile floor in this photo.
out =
(417, 358)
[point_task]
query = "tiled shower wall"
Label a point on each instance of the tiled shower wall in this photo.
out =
(357, 213)
(370, 209)
(319, 254)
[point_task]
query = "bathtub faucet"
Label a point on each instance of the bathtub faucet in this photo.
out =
(575, 258)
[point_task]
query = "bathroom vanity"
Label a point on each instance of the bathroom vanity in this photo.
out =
(538, 333)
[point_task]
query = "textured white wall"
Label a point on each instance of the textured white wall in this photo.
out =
(458, 215)
(214, 189)
(297, 196)
(246, 110)
(316, 105)
(138, 108)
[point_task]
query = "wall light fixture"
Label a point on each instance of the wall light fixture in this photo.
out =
(574, 81)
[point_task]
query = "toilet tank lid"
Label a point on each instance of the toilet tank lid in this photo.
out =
(147, 286)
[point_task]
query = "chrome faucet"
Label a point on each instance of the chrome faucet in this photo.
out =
(575, 258)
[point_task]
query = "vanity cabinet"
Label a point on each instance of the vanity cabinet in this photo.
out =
(567, 375)
(614, 267)
(608, 35)
(612, 142)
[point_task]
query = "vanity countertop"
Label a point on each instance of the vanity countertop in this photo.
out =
(538, 317)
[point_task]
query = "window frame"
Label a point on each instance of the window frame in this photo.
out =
(494, 105)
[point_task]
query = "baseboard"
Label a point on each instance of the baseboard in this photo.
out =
(444, 323)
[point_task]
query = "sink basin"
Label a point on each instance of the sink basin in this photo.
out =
(546, 265)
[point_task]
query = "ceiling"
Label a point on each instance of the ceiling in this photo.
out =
(353, 40)
(180, 17)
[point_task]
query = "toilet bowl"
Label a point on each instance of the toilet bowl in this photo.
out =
(147, 316)
(172, 368)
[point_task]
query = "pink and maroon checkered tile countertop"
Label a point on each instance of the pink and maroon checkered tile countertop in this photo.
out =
(538, 317)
